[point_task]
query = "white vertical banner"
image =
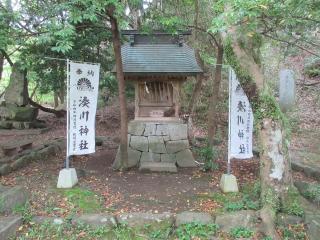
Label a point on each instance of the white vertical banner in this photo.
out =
(82, 105)
(240, 121)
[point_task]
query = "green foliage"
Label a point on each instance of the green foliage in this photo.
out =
(248, 198)
(267, 107)
(294, 232)
(24, 211)
(312, 66)
(241, 232)
(244, 204)
(244, 77)
(208, 156)
(267, 238)
(292, 203)
(196, 230)
(313, 192)
(270, 198)
(83, 200)
(67, 230)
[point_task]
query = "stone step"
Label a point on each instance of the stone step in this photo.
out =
(13, 147)
(158, 167)
(9, 226)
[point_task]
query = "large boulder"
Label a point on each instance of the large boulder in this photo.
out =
(23, 114)
(17, 91)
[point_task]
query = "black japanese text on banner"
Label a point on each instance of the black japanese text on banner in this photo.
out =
(83, 94)
(240, 121)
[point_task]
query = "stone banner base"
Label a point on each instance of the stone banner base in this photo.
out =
(157, 142)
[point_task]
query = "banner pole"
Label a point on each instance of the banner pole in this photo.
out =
(68, 108)
(229, 124)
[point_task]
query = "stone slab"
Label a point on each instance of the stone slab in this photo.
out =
(156, 144)
(150, 157)
(5, 169)
(162, 129)
(158, 167)
(312, 221)
(185, 159)
(133, 158)
(287, 89)
(11, 197)
(9, 226)
(150, 129)
(5, 132)
(96, 220)
(143, 219)
(45, 219)
(177, 146)
(171, 158)
(285, 220)
(139, 143)
(178, 131)
(136, 128)
(189, 217)
(244, 218)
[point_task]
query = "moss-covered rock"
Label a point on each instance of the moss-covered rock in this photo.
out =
(22, 114)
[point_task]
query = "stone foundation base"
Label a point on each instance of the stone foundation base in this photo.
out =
(161, 142)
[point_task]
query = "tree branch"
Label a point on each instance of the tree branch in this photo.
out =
(7, 57)
(58, 113)
(290, 43)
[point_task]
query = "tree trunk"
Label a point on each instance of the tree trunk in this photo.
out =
(55, 99)
(61, 95)
(275, 170)
(122, 96)
(197, 87)
(213, 110)
(275, 173)
(34, 91)
(1, 64)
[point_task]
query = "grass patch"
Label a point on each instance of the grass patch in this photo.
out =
(313, 193)
(83, 199)
(70, 231)
(241, 232)
(293, 232)
(196, 231)
(24, 211)
(247, 199)
(64, 231)
(293, 205)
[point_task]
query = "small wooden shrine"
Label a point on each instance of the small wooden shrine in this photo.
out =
(158, 64)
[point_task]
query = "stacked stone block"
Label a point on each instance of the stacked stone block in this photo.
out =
(158, 142)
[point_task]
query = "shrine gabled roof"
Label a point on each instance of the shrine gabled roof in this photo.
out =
(159, 59)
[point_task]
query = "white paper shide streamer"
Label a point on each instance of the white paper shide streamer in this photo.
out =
(240, 121)
(83, 94)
